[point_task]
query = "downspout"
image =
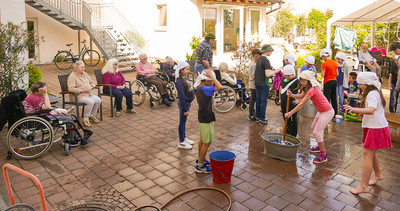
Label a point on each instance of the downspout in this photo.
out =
(280, 6)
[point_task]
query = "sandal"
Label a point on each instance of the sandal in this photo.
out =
(320, 159)
(314, 149)
(118, 114)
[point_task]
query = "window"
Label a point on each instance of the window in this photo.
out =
(162, 14)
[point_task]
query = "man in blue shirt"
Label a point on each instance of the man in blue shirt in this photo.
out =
(205, 54)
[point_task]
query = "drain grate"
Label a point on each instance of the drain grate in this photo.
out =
(104, 200)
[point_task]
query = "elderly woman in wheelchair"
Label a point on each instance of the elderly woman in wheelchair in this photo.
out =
(146, 73)
(31, 136)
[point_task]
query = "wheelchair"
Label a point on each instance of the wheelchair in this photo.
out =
(140, 87)
(170, 82)
(226, 98)
(32, 135)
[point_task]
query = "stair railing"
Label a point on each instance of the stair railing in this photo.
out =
(112, 18)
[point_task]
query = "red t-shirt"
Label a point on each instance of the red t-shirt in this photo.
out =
(34, 103)
(319, 100)
(330, 68)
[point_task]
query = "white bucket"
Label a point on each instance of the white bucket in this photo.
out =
(339, 118)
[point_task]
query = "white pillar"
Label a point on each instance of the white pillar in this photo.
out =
(373, 34)
(328, 33)
(241, 25)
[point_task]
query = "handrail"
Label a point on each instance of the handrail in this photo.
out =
(72, 8)
(116, 20)
(27, 174)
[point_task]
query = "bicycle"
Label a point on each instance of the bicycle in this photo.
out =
(65, 59)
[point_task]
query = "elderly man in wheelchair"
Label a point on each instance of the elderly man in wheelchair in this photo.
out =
(147, 73)
(31, 136)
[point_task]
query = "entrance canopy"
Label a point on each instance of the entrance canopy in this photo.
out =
(381, 11)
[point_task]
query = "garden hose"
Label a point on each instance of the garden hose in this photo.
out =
(185, 192)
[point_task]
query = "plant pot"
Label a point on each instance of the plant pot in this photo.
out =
(280, 151)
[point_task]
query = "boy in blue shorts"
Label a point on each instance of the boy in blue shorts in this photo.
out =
(205, 87)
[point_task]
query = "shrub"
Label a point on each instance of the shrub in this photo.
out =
(14, 42)
(193, 45)
(311, 47)
(242, 56)
(35, 74)
(301, 60)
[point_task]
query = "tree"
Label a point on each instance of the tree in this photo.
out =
(301, 23)
(14, 42)
(318, 20)
(284, 22)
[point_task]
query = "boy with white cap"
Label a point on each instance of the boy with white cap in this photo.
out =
(309, 90)
(290, 82)
(205, 86)
(309, 65)
(329, 71)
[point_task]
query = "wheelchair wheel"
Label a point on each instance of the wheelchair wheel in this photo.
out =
(272, 93)
(152, 104)
(30, 137)
(244, 107)
(224, 99)
(139, 93)
(172, 89)
(155, 95)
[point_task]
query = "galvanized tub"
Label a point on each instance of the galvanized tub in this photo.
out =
(280, 151)
(309, 110)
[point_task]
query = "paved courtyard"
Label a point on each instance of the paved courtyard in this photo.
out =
(133, 160)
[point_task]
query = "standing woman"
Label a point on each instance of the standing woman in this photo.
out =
(81, 83)
(186, 96)
(112, 75)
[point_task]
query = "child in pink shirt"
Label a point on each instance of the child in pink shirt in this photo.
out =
(309, 89)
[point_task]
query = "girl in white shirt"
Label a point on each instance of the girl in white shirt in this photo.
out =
(376, 128)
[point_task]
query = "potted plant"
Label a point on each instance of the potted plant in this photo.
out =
(14, 43)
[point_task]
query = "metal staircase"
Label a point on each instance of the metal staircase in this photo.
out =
(115, 38)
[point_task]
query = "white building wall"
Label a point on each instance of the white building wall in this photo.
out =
(53, 36)
(183, 21)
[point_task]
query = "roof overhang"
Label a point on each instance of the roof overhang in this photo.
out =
(381, 11)
(266, 3)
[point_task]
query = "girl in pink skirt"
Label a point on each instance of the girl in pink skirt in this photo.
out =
(309, 90)
(376, 128)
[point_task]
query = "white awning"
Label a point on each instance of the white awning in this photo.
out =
(381, 11)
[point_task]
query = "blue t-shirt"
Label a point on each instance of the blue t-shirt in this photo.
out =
(312, 68)
(352, 88)
(339, 78)
(208, 90)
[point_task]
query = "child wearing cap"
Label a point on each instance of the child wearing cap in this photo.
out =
(375, 127)
(342, 77)
(309, 65)
(186, 96)
(309, 89)
(290, 82)
(329, 71)
(205, 86)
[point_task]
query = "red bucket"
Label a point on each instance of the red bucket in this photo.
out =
(222, 165)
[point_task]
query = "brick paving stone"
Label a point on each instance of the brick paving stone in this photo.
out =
(238, 207)
(315, 196)
(155, 191)
(174, 187)
(198, 203)
(292, 207)
(246, 187)
(281, 182)
(293, 197)
(349, 208)
(145, 184)
(347, 199)
(328, 191)
(123, 186)
(333, 204)
(239, 196)
(277, 202)
(219, 200)
(310, 205)
(254, 204)
(385, 204)
(296, 188)
(133, 193)
(276, 190)
(261, 194)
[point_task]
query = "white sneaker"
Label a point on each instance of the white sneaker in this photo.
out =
(188, 141)
(184, 146)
